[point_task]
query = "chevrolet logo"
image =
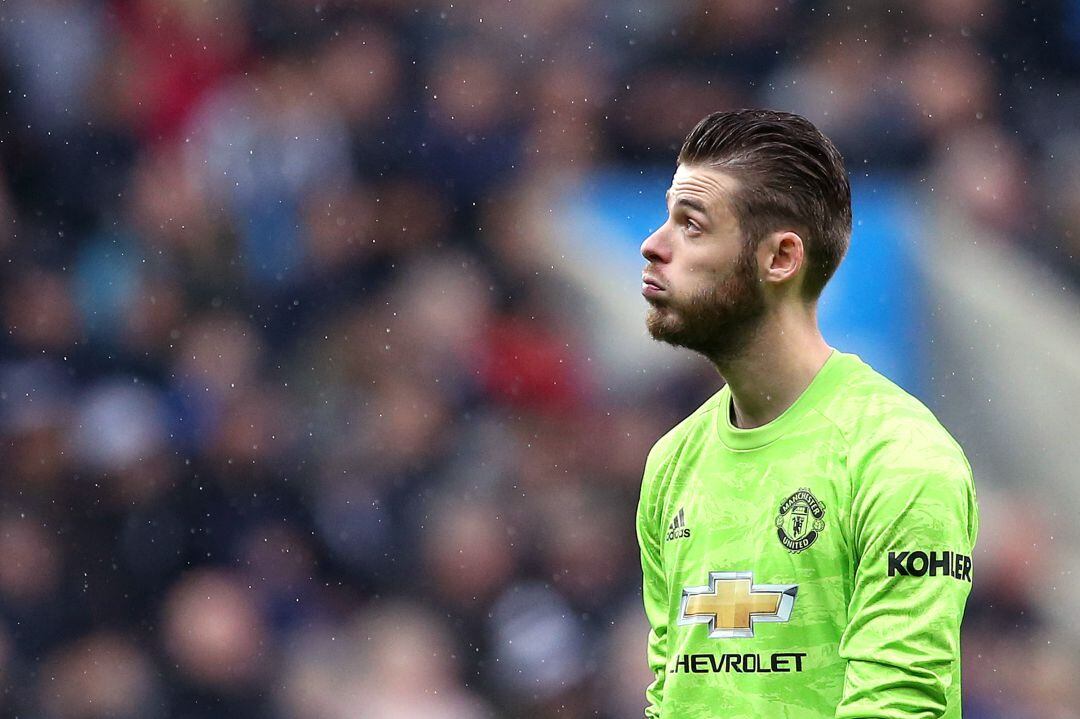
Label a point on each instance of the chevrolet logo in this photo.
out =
(731, 604)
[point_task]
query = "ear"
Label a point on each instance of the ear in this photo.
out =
(780, 256)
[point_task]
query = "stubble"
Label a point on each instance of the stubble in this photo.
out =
(717, 321)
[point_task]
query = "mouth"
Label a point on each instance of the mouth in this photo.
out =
(651, 281)
(650, 286)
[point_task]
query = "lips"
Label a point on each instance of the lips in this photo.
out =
(650, 281)
(652, 289)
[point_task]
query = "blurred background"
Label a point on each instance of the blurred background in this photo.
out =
(324, 385)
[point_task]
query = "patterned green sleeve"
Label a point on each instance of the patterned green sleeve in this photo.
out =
(654, 589)
(914, 523)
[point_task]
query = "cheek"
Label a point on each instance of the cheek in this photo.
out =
(708, 262)
(708, 271)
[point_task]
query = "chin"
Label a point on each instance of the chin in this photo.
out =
(664, 325)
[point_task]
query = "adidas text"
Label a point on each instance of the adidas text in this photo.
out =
(678, 533)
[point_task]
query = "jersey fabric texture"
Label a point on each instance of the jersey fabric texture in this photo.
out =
(816, 566)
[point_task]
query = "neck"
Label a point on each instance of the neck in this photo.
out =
(774, 367)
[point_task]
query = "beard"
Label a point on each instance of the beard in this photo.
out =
(717, 321)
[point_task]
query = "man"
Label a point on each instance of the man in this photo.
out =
(806, 534)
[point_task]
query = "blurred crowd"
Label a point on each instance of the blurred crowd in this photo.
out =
(297, 420)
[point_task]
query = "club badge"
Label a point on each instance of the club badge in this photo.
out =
(800, 520)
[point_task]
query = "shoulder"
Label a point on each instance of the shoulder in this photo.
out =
(873, 412)
(664, 455)
(906, 469)
(694, 428)
(891, 435)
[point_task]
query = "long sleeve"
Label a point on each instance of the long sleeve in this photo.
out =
(913, 528)
(654, 593)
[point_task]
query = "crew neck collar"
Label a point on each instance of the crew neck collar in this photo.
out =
(757, 437)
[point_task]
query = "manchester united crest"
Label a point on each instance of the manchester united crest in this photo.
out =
(800, 520)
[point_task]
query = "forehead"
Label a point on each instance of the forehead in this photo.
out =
(705, 185)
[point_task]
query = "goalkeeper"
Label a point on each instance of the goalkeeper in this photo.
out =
(806, 534)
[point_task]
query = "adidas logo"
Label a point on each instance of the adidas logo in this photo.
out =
(678, 529)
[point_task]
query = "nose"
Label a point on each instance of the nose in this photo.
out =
(656, 248)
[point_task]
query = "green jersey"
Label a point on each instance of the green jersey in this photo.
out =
(816, 566)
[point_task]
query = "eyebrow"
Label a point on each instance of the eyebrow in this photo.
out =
(688, 202)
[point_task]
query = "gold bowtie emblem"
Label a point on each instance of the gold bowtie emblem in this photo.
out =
(731, 604)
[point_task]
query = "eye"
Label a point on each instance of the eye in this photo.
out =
(692, 227)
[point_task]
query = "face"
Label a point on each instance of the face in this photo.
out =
(701, 280)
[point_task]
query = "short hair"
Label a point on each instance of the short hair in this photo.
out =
(789, 174)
